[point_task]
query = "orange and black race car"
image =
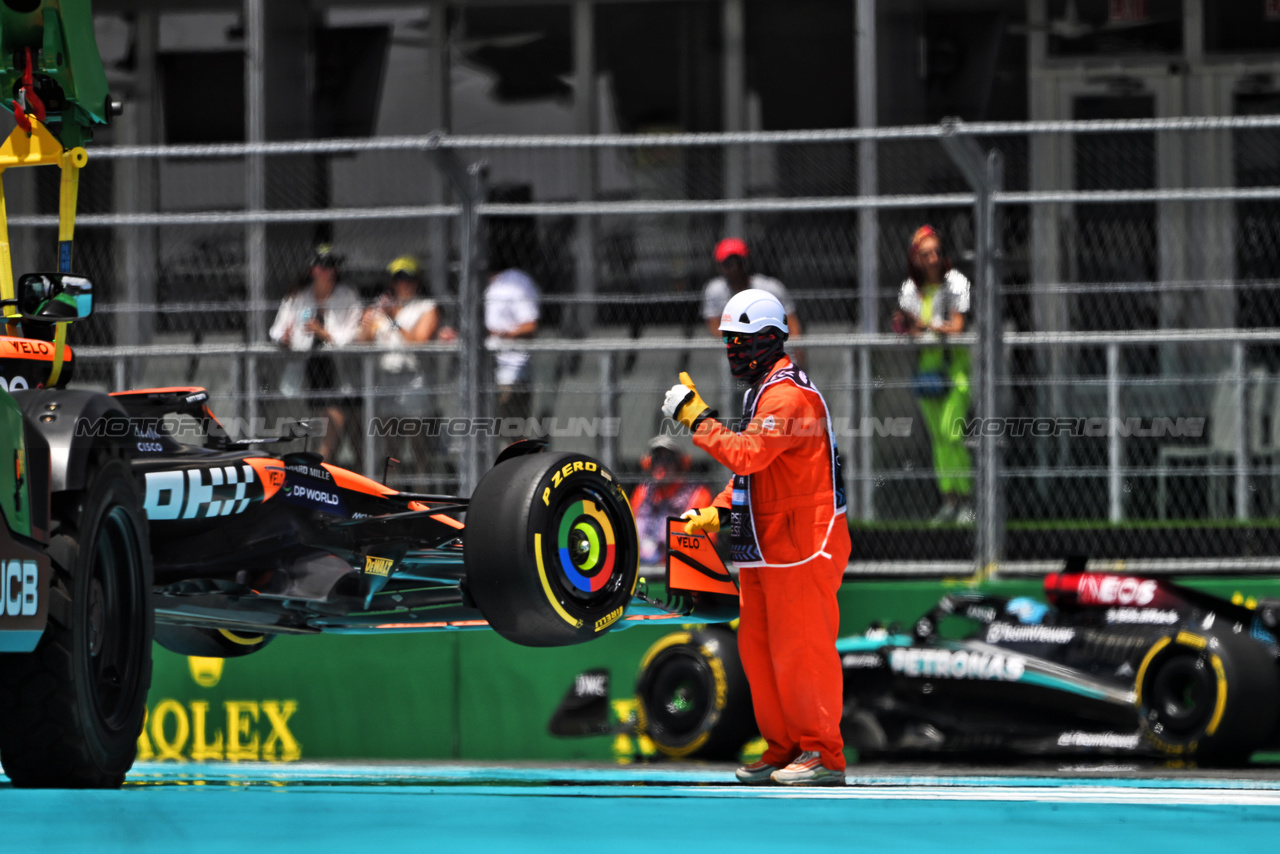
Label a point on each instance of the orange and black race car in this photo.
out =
(247, 545)
(213, 547)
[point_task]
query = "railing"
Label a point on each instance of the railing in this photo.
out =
(1135, 278)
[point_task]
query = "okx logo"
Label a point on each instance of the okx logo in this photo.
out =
(200, 493)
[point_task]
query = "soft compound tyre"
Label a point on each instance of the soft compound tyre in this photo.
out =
(73, 708)
(693, 696)
(1207, 697)
(551, 549)
(210, 643)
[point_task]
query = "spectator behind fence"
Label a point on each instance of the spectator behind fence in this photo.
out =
(511, 312)
(932, 304)
(312, 322)
(666, 492)
(731, 257)
(402, 318)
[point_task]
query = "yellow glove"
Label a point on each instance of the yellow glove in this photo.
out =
(684, 404)
(705, 520)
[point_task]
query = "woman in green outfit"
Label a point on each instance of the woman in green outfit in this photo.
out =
(932, 304)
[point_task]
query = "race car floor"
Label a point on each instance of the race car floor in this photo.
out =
(471, 807)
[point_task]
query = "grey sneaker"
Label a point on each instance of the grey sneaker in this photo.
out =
(945, 516)
(808, 770)
(964, 514)
(757, 773)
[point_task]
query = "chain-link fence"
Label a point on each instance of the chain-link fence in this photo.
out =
(1116, 394)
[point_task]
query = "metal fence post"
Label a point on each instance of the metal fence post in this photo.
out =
(868, 236)
(470, 183)
(608, 443)
(850, 434)
(1115, 451)
(1240, 439)
(368, 379)
(582, 317)
(255, 181)
(251, 387)
(867, 511)
(985, 174)
(734, 67)
(236, 392)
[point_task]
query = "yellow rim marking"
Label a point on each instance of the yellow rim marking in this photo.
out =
(546, 585)
(1188, 639)
(243, 640)
(1142, 668)
(669, 640)
(1221, 705)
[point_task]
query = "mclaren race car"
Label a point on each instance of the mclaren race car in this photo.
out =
(1111, 664)
(214, 547)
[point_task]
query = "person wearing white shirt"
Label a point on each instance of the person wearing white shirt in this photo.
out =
(511, 312)
(933, 304)
(401, 319)
(313, 322)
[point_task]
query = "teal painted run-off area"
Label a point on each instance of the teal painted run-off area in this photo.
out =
(683, 808)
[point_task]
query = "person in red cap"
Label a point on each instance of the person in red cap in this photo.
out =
(731, 257)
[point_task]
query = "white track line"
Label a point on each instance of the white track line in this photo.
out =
(1035, 794)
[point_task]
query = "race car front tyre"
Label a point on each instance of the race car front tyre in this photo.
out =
(551, 549)
(1207, 697)
(73, 708)
(210, 643)
(693, 696)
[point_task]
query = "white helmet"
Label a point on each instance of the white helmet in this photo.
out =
(753, 310)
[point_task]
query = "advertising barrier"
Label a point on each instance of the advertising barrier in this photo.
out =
(465, 695)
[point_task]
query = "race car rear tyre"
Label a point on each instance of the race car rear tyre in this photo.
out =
(551, 549)
(693, 696)
(210, 643)
(73, 708)
(1207, 697)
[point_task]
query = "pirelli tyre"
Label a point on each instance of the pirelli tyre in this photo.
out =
(210, 643)
(551, 549)
(693, 696)
(73, 708)
(1208, 697)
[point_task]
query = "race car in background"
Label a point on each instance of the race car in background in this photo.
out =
(1114, 664)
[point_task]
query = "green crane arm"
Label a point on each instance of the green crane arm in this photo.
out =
(50, 68)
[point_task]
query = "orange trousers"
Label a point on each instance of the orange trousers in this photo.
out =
(790, 619)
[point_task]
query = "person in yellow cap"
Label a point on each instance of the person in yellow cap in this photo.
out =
(401, 318)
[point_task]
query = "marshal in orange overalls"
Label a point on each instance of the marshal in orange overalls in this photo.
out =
(791, 546)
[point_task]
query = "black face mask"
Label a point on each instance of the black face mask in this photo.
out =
(751, 356)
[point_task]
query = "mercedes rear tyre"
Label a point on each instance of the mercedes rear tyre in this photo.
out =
(1207, 697)
(693, 695)
(551, 549)
(74, 707)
